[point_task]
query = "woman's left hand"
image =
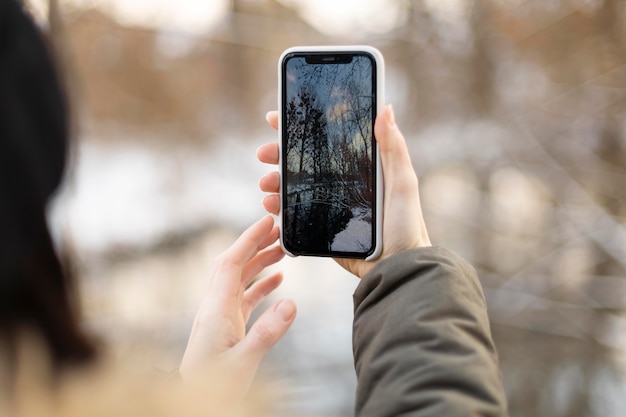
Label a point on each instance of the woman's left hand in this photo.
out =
(218, 337)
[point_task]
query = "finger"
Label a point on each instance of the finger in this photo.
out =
(272, 119)
(268, 153)
(397, 166)
(390, 140)
(270, 183)
(401, 197)
(271, 238)
(266, 331)
(272, 204)
(258, 291)
(247, 245)
(259, 262)
(226, 281)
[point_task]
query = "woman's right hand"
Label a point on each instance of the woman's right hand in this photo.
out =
(403, 221)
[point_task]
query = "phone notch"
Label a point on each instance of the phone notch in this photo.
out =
(328, 58)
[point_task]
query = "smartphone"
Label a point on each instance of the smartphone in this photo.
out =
(331, 176)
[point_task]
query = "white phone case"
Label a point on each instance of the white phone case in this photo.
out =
(380, 103)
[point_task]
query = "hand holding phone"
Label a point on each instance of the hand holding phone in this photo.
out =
(331, 183)
(404, 227)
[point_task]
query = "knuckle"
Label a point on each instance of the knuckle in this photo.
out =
(263, 334)
(223, 260)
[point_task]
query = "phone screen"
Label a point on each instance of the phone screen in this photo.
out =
(329, 154)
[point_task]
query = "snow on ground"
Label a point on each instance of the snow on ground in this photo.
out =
(357, 235)
(133, 195)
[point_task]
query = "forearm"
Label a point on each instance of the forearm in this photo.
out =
(422, 342)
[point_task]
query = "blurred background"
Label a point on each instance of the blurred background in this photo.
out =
(514, 114)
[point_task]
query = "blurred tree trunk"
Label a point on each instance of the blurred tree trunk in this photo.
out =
(611, 53)
(412, 56)
(481, 66)
(239, 80)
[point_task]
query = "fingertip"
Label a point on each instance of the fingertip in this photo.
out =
(263, 151)
(278, 253)
(271, 203)
(286, 310)
(264, 225)
(269, 328)
(272, 118)
(268, 153)
(263, 183)
(268, 220)
(385, 121)
(389, 138)
(390, 115)
(270, 183)
(278, 276)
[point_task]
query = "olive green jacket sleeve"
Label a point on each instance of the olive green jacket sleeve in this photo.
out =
(421, 340)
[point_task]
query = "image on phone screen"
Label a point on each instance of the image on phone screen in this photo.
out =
(328, 149)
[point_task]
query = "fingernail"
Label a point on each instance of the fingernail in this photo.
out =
(391, 118)
(286, 309)
(267, 116)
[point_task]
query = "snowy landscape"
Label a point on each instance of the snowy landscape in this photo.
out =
(357, 234)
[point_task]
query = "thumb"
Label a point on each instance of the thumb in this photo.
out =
(397, 166)
(267, 330)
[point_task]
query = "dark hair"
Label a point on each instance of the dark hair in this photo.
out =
(34, 288)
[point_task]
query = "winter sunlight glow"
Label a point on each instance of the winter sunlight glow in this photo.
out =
(192, 16)
(349, 16)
